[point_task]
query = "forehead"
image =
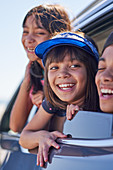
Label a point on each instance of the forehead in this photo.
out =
(32, 21)
(58, 54)
(107, 56)
(108, 53)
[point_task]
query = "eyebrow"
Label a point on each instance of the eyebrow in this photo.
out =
(39, 27)
(101, 59)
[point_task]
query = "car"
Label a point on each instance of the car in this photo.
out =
(89, 147)
(96, 21)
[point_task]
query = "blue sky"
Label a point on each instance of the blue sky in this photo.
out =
(12, 55)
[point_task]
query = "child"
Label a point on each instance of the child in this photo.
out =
(104, 77)
(70, 65)
(39, 24)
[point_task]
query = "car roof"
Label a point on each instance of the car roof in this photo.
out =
(96, 21)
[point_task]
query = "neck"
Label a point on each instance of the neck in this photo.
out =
(80, 102)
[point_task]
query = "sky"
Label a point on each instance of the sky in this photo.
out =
(12, 55)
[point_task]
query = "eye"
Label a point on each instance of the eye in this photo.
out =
(101, 66)
(75, 66)
(54, 68)
(25, 32)
(40, 33)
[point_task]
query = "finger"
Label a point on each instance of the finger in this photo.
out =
(75, 110)
(68, 113)
(45, 153)
(41, 158)
(36, 102)
(58, 134)
(54, 144)
(39, 105)
(38, 160)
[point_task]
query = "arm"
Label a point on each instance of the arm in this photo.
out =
(22, 105)
(33, 136)
(29, 135)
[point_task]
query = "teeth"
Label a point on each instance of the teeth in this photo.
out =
(107, 91)
(65, 88)
(31, 49)
(65, 85)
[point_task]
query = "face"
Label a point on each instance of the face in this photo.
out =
(104, 80)
(68, 80)
(32, 36)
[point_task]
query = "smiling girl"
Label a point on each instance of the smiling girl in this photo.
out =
(39, 24)
(104, 77)
(70, 63)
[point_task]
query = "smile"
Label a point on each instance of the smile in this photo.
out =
(31, 49)
(106, 92)
(65, 86)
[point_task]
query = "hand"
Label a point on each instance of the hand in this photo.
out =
(37, 98)
(71, 111)
(47, 139)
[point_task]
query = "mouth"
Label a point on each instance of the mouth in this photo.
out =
(31, 50)
(66, 86)
(106, 92)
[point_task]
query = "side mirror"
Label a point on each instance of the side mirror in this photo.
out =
(4, 123)
(9, 142)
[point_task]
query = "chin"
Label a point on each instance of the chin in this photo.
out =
(106, 109)
(65, 100)
(32, 58)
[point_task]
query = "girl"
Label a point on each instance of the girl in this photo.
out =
(70, 65)
(39, 25)
(104, 77)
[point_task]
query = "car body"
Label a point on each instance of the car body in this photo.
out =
(97, 22)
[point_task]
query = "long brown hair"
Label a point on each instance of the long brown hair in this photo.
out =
(91, 97)
(53, 18)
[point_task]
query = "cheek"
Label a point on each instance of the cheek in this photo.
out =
(84, 80)
(97, 80)
(43, 38)
(22, 40)
(50, 79)
(83, 77)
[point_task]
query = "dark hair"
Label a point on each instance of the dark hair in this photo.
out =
(108, 42)
(54, 19)
(91, 40)
(91, 98)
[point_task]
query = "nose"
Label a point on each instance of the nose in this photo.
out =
(107, 76)
(30, 39)
(63, 73)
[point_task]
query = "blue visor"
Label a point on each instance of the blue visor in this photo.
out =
(66, 38)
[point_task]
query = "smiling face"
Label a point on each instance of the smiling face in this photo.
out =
(104, 80)
(68, 80)
(32, 36)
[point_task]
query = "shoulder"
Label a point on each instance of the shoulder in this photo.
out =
(48, 107)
